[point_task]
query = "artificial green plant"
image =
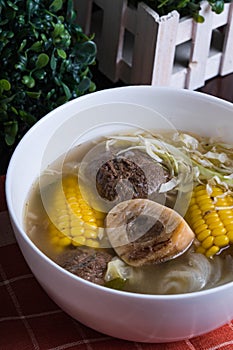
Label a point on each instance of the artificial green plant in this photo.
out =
(45, 61)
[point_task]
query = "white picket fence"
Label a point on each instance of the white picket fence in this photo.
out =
(139, 47)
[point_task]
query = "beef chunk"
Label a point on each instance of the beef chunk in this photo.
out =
(86, 263)
(111, 184)
(143, 174)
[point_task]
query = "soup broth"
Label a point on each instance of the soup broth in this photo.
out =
(67, 209)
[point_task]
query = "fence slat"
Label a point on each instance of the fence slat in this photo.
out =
(200, 49)
(184, 31)
(144, 45)
(137, 46)
(164, 54)
(112, 39)
(221, 18)
(226, 65)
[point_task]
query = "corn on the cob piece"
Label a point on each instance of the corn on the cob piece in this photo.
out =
(211, 218)
(72, 220)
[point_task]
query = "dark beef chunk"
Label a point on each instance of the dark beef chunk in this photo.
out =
(143, 174)
(86, 263)
(155, 174)
(110, 178)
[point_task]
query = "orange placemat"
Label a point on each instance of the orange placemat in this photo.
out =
(29, 319)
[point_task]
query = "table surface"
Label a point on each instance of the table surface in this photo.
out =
(29, 319)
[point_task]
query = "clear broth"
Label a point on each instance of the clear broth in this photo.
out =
(187, 273)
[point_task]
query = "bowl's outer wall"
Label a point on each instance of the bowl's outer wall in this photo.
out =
(124, 315)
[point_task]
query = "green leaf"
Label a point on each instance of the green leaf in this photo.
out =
(42, 60)
(29, 81)
(92, 87)
(27, 117)
(53, 62)
(5, 85)
(14, 110)
(44, 38)
(59, 29)
(198, 18)
(39, 74)
(37, 46)
(217, 6)
(32, 94)
(84, 85)
(13, 6)
(56, 5)
(66, 90)
(61, 53)
(117, 283)
(22, 45)
(11, 130)
(50, 94)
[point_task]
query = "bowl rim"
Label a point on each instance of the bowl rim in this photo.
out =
(43, 256)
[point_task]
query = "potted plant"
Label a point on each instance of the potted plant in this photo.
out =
(179, 43)
(45, 62)
(184, 7)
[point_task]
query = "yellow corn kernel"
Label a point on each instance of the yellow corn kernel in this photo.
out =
(206, 206)
(225, 213)
(212, 226)
(201, 228)
(211, 215)
(77, 231)
(208, 242)
(73, 220)
(216, 191)
(229, 227)
(79, 240)
(92, 243)
(222, 202)
(204, 197)
(228, 221)
(200, 250)
(198, 223)
(192, 201)
(217, 231)
(212, 251)
(216, 224)
(91, 234)
(213, 222)
(203, 235)
(230, 236)
(200, 189)
(195, 213)
(221, 241)
(65, 241)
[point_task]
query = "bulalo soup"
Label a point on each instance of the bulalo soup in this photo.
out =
(146, 213)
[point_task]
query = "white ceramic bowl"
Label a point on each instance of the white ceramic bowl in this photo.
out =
(144, 318)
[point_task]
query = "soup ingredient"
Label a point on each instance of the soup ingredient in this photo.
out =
(117, 274)
(120, 176)
(212, 160)
(125, 167)
(131, 174)
(194, 272)
(87, 263)
(72, 220)
(145, 232)
(210, 215)
(185, 162)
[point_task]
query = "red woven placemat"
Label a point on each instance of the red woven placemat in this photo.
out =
(29, 319)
